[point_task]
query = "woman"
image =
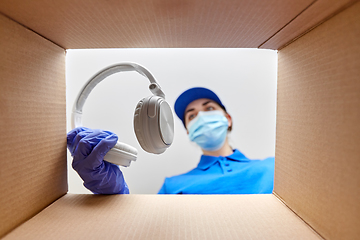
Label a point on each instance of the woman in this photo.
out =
(221, 170)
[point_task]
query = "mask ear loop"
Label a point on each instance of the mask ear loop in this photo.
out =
(101, 75)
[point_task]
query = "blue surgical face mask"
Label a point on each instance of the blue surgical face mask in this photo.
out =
(209, 130)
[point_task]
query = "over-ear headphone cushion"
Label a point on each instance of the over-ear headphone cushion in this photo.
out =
(121, 154)
(126, 148)
(137, 124)
(154, 124)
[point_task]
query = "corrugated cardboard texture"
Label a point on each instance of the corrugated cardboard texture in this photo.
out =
(165, 217)
(316, 13)
(318, 126)
(32, 123)
(155, 23)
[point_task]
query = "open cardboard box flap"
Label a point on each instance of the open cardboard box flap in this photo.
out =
(317, 181)
(165, 217)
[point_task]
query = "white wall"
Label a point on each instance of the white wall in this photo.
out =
(244, 79)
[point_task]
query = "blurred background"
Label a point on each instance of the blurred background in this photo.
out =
(244, 80)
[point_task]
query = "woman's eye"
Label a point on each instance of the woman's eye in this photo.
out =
(192, 116)
(210, 108)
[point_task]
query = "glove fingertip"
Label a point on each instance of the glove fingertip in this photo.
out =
(114, 137)
(73, 133)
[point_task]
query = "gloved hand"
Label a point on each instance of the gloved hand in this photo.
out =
(88, 147)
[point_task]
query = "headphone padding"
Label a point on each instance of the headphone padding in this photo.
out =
(121, 154)
(126, 148)
(137, 123)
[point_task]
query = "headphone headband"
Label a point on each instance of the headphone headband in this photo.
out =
(101, 75)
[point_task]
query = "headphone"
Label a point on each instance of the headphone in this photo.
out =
(153, 119)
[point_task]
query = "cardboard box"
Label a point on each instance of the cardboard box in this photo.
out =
(317, 181)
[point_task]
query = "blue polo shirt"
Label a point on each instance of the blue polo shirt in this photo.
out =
(233, 174)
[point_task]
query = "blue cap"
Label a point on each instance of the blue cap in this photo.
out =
(193, 94)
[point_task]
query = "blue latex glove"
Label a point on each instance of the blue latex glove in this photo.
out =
(88, 147)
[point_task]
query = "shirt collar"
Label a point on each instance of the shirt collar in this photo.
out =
(207, 161)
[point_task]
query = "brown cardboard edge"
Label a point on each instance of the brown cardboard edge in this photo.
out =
(260, 46)
(287, 206)
(5, 15)
(28, 219)
(24, 229)
(313, 27)
(35, 211)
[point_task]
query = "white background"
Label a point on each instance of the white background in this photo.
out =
(244, 79)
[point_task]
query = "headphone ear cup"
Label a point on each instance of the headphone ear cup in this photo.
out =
(154, 124)
(137, 123)
(121, 154)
